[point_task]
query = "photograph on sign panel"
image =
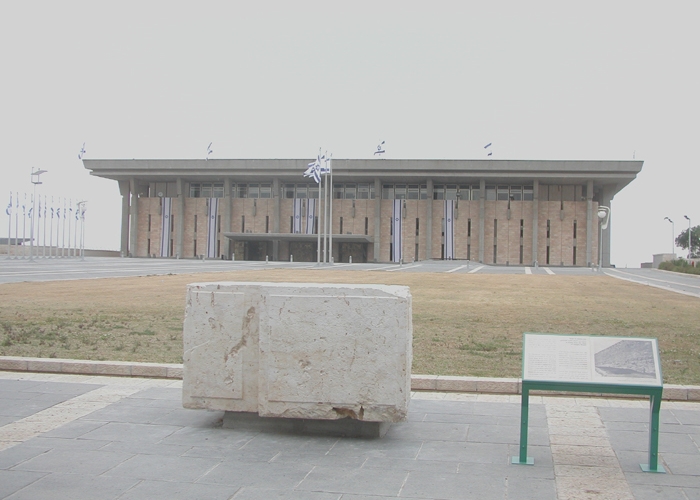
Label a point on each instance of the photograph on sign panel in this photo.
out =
(628, 358)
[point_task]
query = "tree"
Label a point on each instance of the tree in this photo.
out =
(682, 241)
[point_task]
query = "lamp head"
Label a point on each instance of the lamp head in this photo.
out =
(687, 217)
(666, 218)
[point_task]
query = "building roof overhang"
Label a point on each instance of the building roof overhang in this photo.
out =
(616, 173)
(341, 238)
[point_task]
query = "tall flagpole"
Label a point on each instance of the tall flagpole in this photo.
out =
(43, 239)
(330, 236)
(9, 224)
(325, 225)
(318, 226)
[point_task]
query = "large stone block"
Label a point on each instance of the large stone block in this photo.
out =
(299, 350)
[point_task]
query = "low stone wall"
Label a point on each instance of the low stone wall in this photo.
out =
(299, 350)
(426, 383)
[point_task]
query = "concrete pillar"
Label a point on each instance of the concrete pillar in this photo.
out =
(377, 217)
(134, 217)
(591, 228)
(276, 217)
(482, 216)
(180, 226)
(429, 221)
(124, 191)
(226, 217)
(535, 219)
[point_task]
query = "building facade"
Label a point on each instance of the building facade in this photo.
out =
(507, 212)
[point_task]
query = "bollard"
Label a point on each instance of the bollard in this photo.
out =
(350, 261)
(291, 258)
(266, 259)
(233, 257)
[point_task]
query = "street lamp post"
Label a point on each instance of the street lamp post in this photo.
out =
(689, 252)
(36, 181)
(81, 215)
(604, 218)
(673, 232)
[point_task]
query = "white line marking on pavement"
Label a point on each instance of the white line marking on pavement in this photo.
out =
(475, 270)
(400, 268)
(457, 268)
(548, 270)
(654, 285)
(528, 270)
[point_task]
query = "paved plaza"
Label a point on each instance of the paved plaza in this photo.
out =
(74, 437)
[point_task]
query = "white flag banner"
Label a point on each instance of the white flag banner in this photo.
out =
(449, 214)
(165, 226)
(310, 215)
(296, 225)
(396, 236)
(212, 218)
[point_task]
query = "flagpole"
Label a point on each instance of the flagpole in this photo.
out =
(318, 226)
(43, 251)
(325, 224)
(9, 225)
(330, 236)
(16, 224)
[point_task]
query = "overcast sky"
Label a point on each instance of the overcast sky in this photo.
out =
(540, 80)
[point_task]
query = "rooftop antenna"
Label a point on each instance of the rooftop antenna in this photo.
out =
(209, 150)
(380, 149)
(82, 152)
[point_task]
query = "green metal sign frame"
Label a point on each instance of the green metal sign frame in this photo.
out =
(653, 391)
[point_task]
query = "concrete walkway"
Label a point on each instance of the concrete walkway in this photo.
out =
(75, 436)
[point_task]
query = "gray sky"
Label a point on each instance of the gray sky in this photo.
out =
(540, 80)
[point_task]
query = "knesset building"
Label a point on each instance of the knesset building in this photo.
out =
(509, 212)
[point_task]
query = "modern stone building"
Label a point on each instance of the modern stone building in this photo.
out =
(511, 212)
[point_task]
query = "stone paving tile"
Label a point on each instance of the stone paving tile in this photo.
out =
(465, 452)
(248, 493)
(358, 481)
(452, 486)
(209, 436)
(122, 431)
(657, 492)
(74, 486)
(526, 488)
(506, 434)
(431, 431)
(12, 481)
(411, 465)
(140, 448)
(683, 464)
(382, 448)
(164, 468)
(74, 429)
(571, 487)
(259, 475)
(687, 417)
(167, 490)
(69, 461)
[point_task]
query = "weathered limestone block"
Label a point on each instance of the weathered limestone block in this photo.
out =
(299, 350)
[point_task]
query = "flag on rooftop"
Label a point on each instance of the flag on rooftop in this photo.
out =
(82, 152)
(380, 149)
(8, 210)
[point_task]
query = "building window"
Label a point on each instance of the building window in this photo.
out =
(242, 190)
(195, 223)
(265, 191)
(195, 248)
(289, 191)
(366, 225)
(400, 192)
(549, 229)
(528, 193)
(267, 223)
(149, 222)
(438, 192)
(495, 253)
(243, 223)
(207, 190)
(413, 192)
(363, 191)
(503, 193)
(574, 255)
(388, 192)
(490, 193)
(423, 192)
(350, 191)
(253, 190)
(148, 247)
(417, 227)
(522, 229)
(451, 192)
(516, 193)
(338, 191)
(341, 226)
(575, 229)
(469, 228)
(172, 224)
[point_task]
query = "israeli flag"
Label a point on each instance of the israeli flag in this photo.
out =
(314, 170)
(310, 215)
(165, 227)
(449, 214)
(8, 210)
(212, 215)
(296, 214)
(396, 236)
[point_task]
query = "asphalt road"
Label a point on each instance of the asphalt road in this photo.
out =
(22, 270)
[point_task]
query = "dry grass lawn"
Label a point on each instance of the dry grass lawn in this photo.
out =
(463, 324)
